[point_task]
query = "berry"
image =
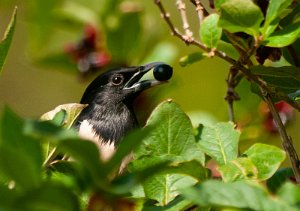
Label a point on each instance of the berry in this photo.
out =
(163, 72)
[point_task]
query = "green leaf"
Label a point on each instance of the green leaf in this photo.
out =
(164, 188)
(127, 145)
(190, 59)
(228, 49)
(179, 203)
(48, 197)
(295, 95)
(275, 9)
(220, 142)
(285, 79)
(210, 32)
(190, 168)
(59, 118)
(72, 112)
(172, 140)
(23, 152)
(283, 37)
(17, 166)
(7, 198)
(285, 71)
(172, 135)
(87, 154)
(238, 169)
(139, 173)
(48, 130)
(266, 158)
(238, 194)
(279, 178)
(6, 40)
(241, 16)
(290, 193)
(218, 3)
(292, 17)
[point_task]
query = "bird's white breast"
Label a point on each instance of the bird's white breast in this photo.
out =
(86, 131)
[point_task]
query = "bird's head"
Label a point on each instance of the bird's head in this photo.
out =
(109, 98)
(123, 84)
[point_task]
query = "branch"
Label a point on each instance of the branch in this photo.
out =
(286, 140)
(199, 9)
(186, 27)
(176, 33)
(231, 95)
(253, 78)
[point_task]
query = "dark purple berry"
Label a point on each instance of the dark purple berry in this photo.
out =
(163, 72)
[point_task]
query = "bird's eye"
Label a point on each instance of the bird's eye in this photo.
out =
(117, 79)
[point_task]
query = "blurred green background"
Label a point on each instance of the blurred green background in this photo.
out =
(31, 85)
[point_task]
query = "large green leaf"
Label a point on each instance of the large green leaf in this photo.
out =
(275, 9)
(19, 167)
(164, 188)
(240, 16)
(179, 203)
(127, 145)
(290, 193)
(6, 40)
(21, 155)
(238, 169)
(172, 135)
(285, 71)
(7, 198)
(220, 142)
(48, 197)
(218, 3)
(48, 130)
(210, 32)
(87, 154)
(266, 158)
(240, 194)
(283, 37)
(292, 17)
(172, 140)
(285, 79)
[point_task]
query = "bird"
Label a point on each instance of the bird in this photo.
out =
(109, 114)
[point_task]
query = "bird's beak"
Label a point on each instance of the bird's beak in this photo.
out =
(136, 85)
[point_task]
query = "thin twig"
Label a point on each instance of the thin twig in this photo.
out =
(286, 140)
(176, 33)
(186, 27)
(199, 9)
